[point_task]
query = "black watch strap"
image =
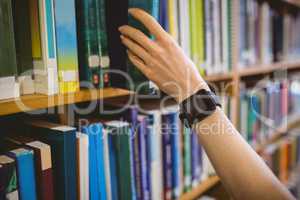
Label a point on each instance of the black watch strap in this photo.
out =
(198, 106)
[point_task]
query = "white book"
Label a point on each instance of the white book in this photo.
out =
(184, 24)
(217, 38)
(156, 155)
(266, 56)
(45, 68)
(225, 34)
(9, 88)
(83, 165)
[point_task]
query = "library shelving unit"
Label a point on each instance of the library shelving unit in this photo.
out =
(235, 77)
(28, 103)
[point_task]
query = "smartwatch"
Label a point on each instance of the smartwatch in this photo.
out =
(198, 107)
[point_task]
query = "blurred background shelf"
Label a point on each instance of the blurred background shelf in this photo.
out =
(34, 102)
(264, 69)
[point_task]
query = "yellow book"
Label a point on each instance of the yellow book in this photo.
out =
(172, 16)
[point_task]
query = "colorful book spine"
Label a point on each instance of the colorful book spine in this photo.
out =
(43, 40)
(167, 158)
(184, 34)
(142, 147)
(155, 157)
(62, 140)
(7, 52)
(8, 180)
(109, 189)
(187, 159)
(113, 165)
(66, 41)
(25, 172)
(102, 43)
(96, 161)
(89, 57)
(82, 144)
(195, 160)
(121, 147)
(163, 14)
(176, 154)
(23, 46)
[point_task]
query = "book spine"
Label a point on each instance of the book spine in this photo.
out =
(196, 170)
(143, 159)
(70, 163)
(25, 173)
(44, 47)
(102, 43)
(113, 167)
(107, 165)
(7, 51)
(88, 42)
(116, 16)
(163, 14)
(66, 40)
(137, 172)
(184, 20)
(176, 156)
(83, 166)
(23, 46)
(209, 37)
(167, 159)
(187, 159)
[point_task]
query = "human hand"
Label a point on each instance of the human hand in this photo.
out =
(161, 60)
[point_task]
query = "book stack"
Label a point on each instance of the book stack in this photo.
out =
(147, 155)
(267, 33)
(203, 29)
(267, 107)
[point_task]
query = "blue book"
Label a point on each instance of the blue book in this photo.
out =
(96, 161)
(141, 135)
(176, 156)
(62, 140)
(26, 173)
(195, 159)
(167, 157)
(163, 15)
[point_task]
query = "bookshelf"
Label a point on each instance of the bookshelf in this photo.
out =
(34, 102)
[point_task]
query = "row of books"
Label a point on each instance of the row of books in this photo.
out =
(283, 158)
(139, 156)
(268, 32)
(203, 29)
(56, 46)
(267, 107)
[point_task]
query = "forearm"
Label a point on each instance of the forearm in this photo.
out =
(241, 170)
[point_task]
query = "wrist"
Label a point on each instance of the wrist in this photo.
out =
(192, 88)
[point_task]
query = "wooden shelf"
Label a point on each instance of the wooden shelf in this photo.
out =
(292, 122)
(218, 77)
(293, 2)
(201, 188)
(267, 68)
(34, 102)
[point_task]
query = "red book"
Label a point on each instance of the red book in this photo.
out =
(44, 173)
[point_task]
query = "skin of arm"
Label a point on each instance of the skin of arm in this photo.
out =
(242, 172)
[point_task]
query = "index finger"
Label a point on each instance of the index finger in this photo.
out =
(149, 22)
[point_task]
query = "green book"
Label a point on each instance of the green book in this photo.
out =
(23, 45)
(141, 83)
(102, 43)
(120, 132)
(89, 59)
(8, 68)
